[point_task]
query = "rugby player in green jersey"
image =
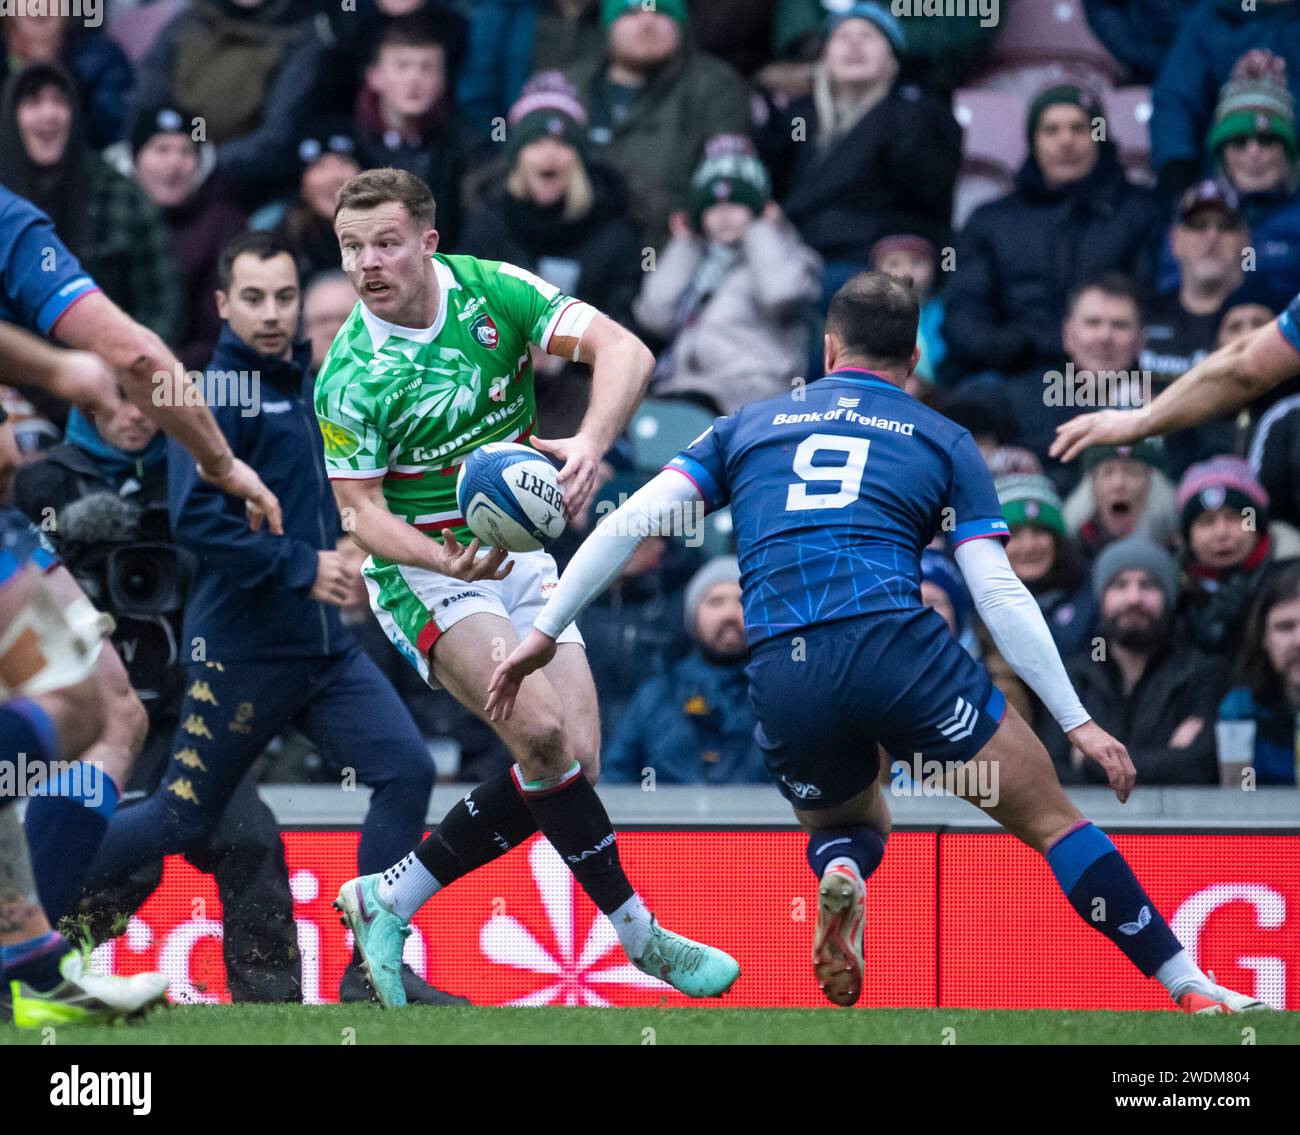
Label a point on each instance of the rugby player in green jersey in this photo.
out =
(434, 362)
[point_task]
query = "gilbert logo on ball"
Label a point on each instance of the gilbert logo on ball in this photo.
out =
(510, 497)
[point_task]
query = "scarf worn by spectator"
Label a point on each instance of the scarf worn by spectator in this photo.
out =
(715, 266)
(117, 464)
(837, 116)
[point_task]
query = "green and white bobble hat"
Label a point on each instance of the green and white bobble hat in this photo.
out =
(1030, 498)
(1256, 100)
(730, 171)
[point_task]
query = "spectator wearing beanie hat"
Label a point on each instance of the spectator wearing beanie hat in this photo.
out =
(1124, 492)
(1153, 693)
(1253, 143)
(1225, 516)
(733, 290)
(327, 158)
(864, 156)
(559, 214)
(1072, 217)
(178, 174)
(1212, 38)
(653, 101)
(1045, 558)
(694, 723)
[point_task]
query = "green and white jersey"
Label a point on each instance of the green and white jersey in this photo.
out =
(410, 404)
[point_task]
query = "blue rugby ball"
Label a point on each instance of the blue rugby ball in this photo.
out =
(510, 497)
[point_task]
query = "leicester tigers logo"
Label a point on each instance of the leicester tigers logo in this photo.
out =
(485, 331)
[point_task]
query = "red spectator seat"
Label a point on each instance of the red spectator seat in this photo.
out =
(1128, 118)
(1043, 42)
(993, 147)
(134, 31)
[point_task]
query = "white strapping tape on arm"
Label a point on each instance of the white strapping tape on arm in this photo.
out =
(50, 646)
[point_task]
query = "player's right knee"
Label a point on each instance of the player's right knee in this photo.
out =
(545, 752)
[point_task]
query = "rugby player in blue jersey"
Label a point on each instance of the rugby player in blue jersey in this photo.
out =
(834, 490)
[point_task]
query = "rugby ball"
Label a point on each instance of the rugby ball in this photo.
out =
(510, 497)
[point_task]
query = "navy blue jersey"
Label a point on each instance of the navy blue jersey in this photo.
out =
(1289, 323)
(834, 494)
(39, 277)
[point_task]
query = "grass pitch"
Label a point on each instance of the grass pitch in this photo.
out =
(371, 1025)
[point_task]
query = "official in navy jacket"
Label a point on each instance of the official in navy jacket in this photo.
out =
(252, 594)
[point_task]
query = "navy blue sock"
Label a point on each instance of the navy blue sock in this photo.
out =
(864, 845)
(65, 826)
(36, 961)
(1102, 887)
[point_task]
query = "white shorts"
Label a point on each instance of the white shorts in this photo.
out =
(416, 606)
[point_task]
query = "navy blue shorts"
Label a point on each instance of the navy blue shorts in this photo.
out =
(825, 696)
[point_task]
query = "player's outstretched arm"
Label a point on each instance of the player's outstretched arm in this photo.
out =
(620, 372)
(1021, 634)
(153, 378)
(1223, 382)
(654, 509)
(367, 518)
(79, 377)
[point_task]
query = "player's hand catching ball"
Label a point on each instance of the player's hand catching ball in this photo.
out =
(464, 562)
(531, 654)
(1105, 427)
(577, 477)
(1097, 745)
(239, 480)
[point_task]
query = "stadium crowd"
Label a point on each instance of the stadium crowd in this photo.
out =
(1087, 208)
